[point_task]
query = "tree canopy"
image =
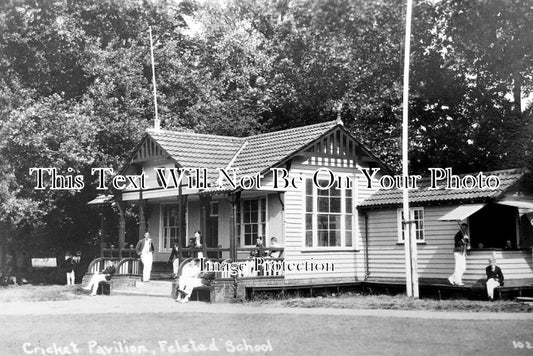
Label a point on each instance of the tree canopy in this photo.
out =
(75, 84)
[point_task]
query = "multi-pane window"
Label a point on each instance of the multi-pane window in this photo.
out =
(171, 228)
(328, 216)
(251, 221)
(417, 217)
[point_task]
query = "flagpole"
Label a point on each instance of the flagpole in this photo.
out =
(411, 269)
(157, 123)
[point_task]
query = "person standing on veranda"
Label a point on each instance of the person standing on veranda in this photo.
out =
(145, 249)
(174, 259)
(459, 253)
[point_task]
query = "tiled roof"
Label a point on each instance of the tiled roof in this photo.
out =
(265, 150)
(423, 194)
(250, 155)
(192, 150)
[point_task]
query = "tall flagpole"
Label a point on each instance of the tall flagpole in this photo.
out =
(411, 268)
(157, 123)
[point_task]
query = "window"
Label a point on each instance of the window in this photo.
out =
(417, 216)
(251, 221)
(171, 228)
(328, 216)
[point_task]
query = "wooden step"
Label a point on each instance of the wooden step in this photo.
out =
(152, 288)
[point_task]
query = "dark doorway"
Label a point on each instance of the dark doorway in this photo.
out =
(493, 225)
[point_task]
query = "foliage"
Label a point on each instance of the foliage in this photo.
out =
(75, 85)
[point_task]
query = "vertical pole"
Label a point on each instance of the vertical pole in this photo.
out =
(101, 232)
(141, 202)
(156, 121)
(181, 236)
(121, 228)
(204, 201)
(232, 239)
(410, 240)
(142, 218)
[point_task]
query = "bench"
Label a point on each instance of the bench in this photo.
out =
(310, 287)
(197, 291)
(512, 290)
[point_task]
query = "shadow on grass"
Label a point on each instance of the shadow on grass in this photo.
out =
(39, 293)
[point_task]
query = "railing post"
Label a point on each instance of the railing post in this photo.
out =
(234, 198)
(121, 228)
(142, 218)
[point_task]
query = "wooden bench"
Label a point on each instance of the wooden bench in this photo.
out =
(197, 291)
(310, 287)
(519, 290)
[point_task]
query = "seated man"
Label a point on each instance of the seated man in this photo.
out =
(494, 277)
(260, 248)
(105, 275)
(189, 279)
(274, 243)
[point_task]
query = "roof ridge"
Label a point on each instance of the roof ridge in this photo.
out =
(332, 123)
(152, 131)
(163, 131)
(232, 160)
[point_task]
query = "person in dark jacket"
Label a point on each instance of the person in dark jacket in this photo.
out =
(259, 248)
(459, 253)
(68, 267)
(174, 259)
(494, 277)
(105, 275)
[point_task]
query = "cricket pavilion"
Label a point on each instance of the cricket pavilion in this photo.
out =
(310, 188)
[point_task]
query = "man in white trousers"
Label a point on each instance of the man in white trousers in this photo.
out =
(459, 254)
(189, 279)
(145, 249)
(494, 277)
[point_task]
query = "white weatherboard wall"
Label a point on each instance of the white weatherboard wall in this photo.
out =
(435, 256)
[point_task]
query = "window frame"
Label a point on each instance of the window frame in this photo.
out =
(240, 228)
(162, 222)
(400, 230)
(343, 216)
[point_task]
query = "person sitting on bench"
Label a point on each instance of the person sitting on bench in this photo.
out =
(494, 277)
(189, 279)
(104, 276)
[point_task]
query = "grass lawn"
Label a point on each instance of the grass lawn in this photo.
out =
(39, 293)
(398, 302)
(350, 300)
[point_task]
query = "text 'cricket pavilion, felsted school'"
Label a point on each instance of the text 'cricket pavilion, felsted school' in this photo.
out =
(356, 230)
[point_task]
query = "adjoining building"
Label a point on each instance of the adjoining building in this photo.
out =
(352, 225)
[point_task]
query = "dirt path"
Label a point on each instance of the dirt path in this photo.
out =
(158, 326)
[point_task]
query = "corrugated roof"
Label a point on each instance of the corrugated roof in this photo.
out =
(423, 194)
